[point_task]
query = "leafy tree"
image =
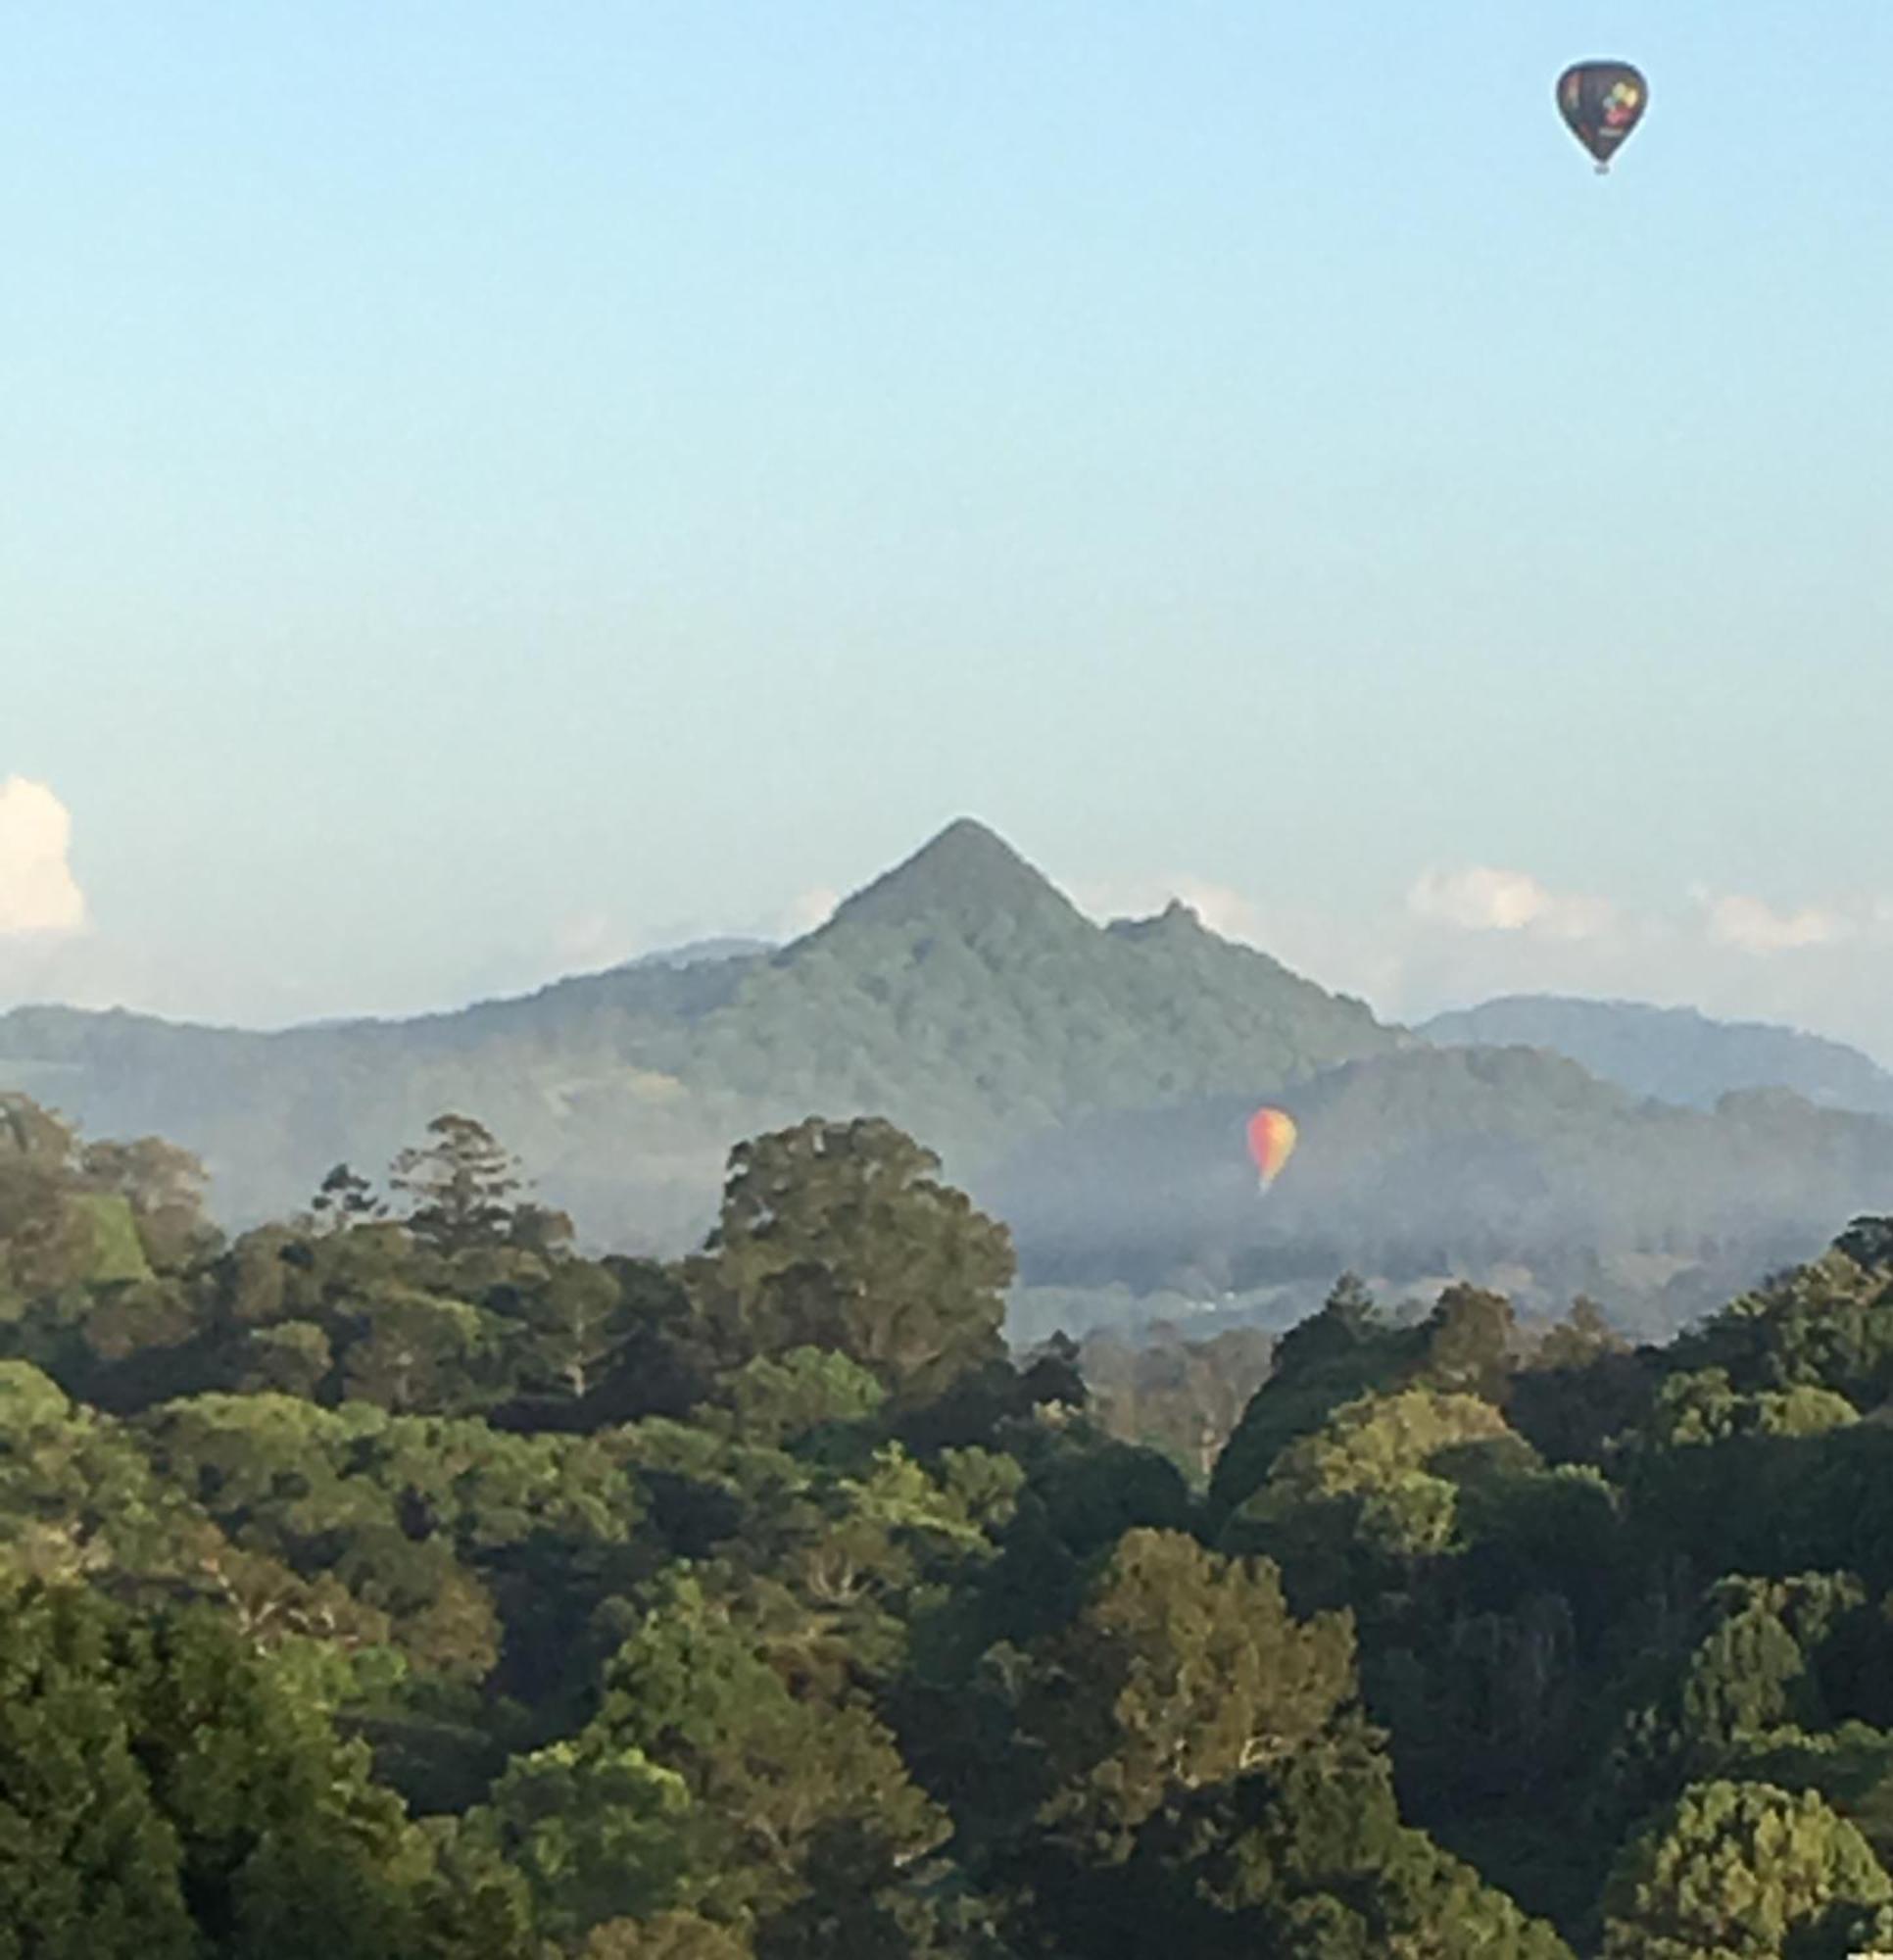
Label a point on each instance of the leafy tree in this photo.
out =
(670, 1935)
(163, 1792)
(596, 1831)
(95, 1247)
(417, 1353)
(1086, 1490)
(1869, 1243)
(1307, 1858)
(1488, 1672)
(1182, 1670)
(47, 1237)
(459, 1534)
(1744, 1680)
(1828, 1324)
(77, 1499)
(1346, 1350)
(668, 1362)
(163, 1188)
(294, 1357)
(1313, 1858)
(1470, 1340)
(89, 1863)
(576, 1327)
(841, 1236)
(346, 1199)
(1703, 1407)
(1753, 1681)
(1581, 1390)
(1579, 1338)
(782, 1401)
(461, 1187)
(1746, 1872)
(1376, 1488)
(776, 1780)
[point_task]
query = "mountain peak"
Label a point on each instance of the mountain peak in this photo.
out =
(1177, 921)
(966, 847)
(962, 880)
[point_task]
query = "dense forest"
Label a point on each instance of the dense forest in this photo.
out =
(394, 1580)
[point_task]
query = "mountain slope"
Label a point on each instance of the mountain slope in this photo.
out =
(961, 994)
(1674, 1053)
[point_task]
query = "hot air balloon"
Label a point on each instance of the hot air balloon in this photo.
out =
(1271, 1142)
(1602, 102)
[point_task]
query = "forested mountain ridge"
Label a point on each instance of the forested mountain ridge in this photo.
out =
(960, 993)
(1674, 1053)
(395, 1583)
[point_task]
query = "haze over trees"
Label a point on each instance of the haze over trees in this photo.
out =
(1087, 1083)
(394, 1579)
(1510, 1165)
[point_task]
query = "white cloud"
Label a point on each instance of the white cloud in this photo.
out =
(1755, 926)
(38, 893)
(1481, 897)
(803, 914)
(1224, 911)
(591, 943)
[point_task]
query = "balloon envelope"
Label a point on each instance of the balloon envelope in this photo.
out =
(1271, 1142)
(1601, 103)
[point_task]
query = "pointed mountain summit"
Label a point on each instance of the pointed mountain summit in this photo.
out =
(965, 882)
(964, 996)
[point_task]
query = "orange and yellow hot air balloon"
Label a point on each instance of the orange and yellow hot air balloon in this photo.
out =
(1272, 1143)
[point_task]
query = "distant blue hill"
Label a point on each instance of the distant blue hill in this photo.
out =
(1674, 1053)
(703, 952)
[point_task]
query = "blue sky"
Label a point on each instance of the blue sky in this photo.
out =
(489, 489)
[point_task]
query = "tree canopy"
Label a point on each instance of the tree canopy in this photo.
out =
(397, 1579)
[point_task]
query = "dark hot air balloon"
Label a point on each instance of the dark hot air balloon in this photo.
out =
(1271, 1142)
(1602, 102)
